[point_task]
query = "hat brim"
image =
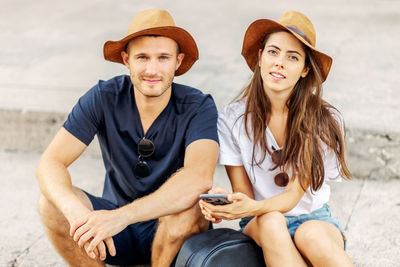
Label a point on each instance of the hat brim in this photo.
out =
(254, 36)
(112, 49)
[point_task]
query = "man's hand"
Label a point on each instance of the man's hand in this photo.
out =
(95, 229)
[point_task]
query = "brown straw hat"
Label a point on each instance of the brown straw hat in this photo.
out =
(296, 23)
(155, 22)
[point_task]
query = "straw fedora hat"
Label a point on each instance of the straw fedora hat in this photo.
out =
(155, 22)
(296, 23)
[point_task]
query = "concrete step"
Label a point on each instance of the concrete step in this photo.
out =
(371, 154)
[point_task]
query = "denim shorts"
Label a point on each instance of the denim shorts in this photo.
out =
(133, 244)
(293, 222)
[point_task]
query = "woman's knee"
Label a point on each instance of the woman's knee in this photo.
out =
(272, 223)
(268, 230)
(315, 236)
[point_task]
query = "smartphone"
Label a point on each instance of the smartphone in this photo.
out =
(215, 199)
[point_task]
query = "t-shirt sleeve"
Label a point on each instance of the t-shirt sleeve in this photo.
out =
(84, 120)
(229, 150)
(204, 123)
(331, 163)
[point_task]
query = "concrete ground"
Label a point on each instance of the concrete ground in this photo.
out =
(368, 210)
(51, 53)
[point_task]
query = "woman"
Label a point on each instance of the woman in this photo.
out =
(280, 143)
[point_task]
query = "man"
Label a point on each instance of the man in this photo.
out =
(159, 146)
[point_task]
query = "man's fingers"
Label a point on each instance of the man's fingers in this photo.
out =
(94, 243)
(91, 254)
(80, 231)
(96, 251)
(83, 239)
(111, 247)
(102, 251)
(76, 224)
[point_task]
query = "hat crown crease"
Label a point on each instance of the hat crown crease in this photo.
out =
(300, 23)
(151, 19)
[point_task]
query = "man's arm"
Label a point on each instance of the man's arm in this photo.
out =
(178, 193)
(55, 183)
(182, 190)
(53, 177)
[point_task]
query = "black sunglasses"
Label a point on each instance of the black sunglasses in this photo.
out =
(145, 149)
(282, 178)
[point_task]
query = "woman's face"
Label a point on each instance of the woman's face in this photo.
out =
(282, 63)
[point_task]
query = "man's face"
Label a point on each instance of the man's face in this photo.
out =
(152, 61)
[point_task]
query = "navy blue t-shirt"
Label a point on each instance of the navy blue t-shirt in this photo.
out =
(109, 110)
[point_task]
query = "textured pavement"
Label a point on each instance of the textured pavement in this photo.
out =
(367, 209)
(51, 53)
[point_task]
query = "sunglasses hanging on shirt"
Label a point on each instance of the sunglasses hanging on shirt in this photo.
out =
(145, 149)
(281, 179)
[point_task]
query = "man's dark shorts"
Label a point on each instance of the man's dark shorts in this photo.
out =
(133, 244)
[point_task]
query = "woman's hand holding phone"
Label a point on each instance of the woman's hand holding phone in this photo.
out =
(242, 206)
(217, 196)
(215, 199)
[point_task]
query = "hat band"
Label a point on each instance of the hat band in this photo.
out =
(299, 33)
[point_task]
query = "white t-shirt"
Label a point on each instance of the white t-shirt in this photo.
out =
(236, 150)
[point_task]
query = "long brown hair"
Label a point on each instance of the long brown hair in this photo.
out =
(309, 122)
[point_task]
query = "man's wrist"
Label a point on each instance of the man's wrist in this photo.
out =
(127, 214)
(72, 208)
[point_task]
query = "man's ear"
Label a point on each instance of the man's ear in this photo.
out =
(179, 60)
(125, 57)
(305, 71)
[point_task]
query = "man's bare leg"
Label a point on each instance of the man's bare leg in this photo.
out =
(57, 228)
(172, 231)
